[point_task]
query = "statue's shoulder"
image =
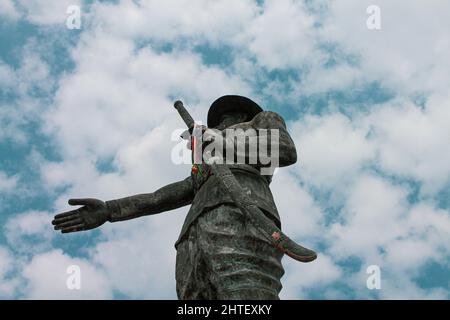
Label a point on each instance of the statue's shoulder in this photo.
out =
(268, 119)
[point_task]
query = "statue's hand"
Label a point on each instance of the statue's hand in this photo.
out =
(92, 214)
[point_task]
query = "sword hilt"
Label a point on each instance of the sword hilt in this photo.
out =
(184, 114)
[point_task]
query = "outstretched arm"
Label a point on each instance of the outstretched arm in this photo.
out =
(94, 212)
(172, 196)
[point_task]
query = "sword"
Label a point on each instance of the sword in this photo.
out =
(242, 201)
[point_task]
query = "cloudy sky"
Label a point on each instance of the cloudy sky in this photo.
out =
(88, 112)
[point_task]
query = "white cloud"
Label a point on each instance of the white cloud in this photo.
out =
(381, 228)
(9, 10)
(409, 53)
(281, 36)
(413, 142)
(7, 183)
(301, 277)
(47, 276)
(7, 76)
(7, 285)
(339, 77)
(139, 257)
(394, 286)
(332, 149)
(136, 84)
(23, 84)
(373, 218)
(29, 232)
(300, 215)
(34, 73)
(45, 12)
(427, 239)
(199, 21)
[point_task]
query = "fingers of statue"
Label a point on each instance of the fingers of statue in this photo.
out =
(70, 223)
(74, 228)
(66, 219)
(67, 224)
(66, 214)
(82, 202)
(75, 220)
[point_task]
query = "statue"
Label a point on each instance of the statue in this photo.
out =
(231, 243)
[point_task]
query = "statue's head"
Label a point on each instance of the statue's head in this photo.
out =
(231, 109)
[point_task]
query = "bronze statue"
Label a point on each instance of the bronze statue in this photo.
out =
(231, 243)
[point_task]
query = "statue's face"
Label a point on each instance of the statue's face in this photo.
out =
(230, 118)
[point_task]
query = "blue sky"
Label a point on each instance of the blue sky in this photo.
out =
(88, 113)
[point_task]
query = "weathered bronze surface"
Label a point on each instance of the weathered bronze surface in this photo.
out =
(221, 254)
